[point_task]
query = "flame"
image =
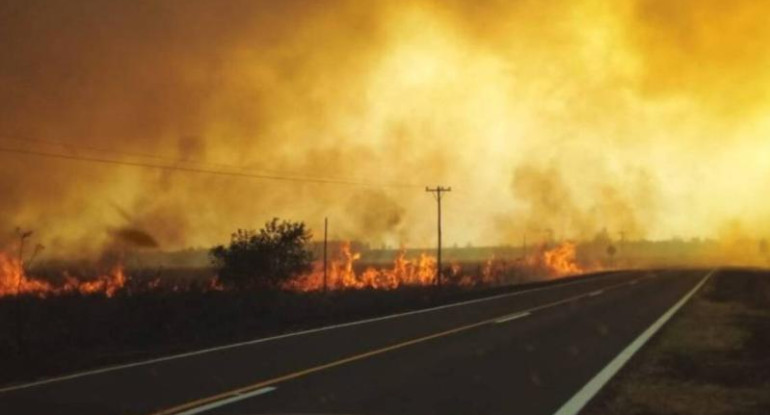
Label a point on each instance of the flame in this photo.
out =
(15, 281)
(108, 284)
(420, 271)
(341, 273)
(561, 260)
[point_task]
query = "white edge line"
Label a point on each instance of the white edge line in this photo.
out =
(227, 401)
(297, 333)
(235, 396)
(590, 389)
(595, 293)
(512, 317)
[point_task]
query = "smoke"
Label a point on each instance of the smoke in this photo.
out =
(554, 205)
(375, 217)
(640, 116)
(134, 238)
(710, 52)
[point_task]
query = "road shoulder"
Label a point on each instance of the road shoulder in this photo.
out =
(710, 359)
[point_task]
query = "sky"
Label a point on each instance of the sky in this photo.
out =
(646, 117)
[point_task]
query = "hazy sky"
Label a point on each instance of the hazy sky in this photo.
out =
(648, 117)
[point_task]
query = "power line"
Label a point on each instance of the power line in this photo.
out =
(243, 174)
(69, 146)
(199, 164)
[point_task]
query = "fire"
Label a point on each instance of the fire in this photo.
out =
(15, 281)
(561, 260)
(341, 273)
(420, 271)
(108, 284)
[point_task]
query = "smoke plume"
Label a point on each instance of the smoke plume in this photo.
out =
(638, 116)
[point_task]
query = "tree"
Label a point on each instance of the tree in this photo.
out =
(266, 258)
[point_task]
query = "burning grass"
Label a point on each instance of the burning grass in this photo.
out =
(344, 272)
(15, 281)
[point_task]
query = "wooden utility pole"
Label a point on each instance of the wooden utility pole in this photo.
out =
(326, 232)
(437, 191)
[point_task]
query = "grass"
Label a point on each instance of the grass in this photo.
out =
(711, 359)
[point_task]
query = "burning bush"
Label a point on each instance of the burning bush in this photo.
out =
(264, 259)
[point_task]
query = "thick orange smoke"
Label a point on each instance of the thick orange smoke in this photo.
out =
(640, 116)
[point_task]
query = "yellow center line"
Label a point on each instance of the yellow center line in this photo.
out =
(301, 373)
(294, 375)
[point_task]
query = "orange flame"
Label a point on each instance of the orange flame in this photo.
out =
(108, 284)
(341, 273)
(420, 271)
(561, 260)
(15, 281)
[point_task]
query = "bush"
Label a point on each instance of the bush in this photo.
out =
(264, 259)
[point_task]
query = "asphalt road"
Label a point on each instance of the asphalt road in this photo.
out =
(527, 352)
